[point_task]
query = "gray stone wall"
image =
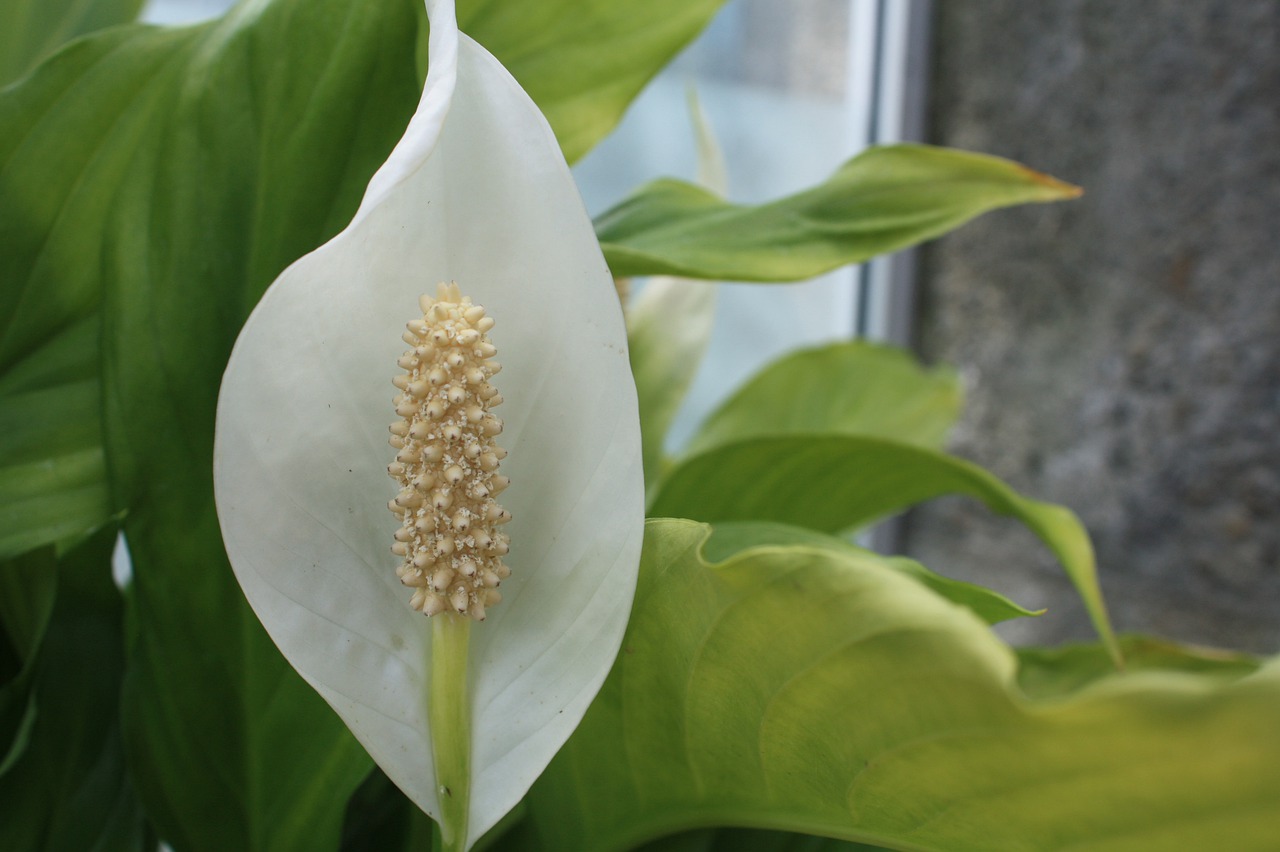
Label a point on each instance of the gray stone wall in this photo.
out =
(1122, 352)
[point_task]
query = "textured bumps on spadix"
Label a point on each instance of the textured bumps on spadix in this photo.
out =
(446, 462)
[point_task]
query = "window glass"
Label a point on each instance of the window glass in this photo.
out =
(772, 79)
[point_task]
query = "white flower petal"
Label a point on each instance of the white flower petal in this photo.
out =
(478, 192)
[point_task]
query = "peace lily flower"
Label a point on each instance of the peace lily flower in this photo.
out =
(475, 193)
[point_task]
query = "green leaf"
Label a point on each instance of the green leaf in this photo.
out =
(175, 173)
(27, 587)
(30, 30)
(749, 840)
(854, 388)
(53, 479)
(730, 538)
(584, 61)
(884, 199)
(70, 789)
(668, 328)
(814, 691)
(833, 483)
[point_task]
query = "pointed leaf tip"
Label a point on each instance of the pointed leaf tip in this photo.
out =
(1057, 189)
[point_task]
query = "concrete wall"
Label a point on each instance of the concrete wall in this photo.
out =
(1122, 351)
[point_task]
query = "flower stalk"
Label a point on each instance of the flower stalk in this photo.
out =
(449, 713)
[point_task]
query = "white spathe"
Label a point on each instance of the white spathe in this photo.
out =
(476, 192)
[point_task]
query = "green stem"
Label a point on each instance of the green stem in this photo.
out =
(449, 708)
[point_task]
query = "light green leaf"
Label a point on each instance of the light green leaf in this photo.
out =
(729, 538)
(70, 789)
(30, 30)
(462, 718)
(812, 691)
(833, 483)
(883, 200)
(53, 478)
(668, 328)
(584, 61)
(854, 388)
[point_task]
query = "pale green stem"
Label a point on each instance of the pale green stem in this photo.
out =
(449, 708)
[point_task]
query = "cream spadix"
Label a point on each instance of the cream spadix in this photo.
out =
(476, 192)
(447, 461)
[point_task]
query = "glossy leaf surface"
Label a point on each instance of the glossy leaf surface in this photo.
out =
(825, 693)
(883, 200)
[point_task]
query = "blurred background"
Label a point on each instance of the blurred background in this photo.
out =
(1121, 353)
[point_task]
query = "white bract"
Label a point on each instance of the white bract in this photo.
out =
(476, 192)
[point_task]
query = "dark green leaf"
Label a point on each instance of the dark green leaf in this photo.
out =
(70, 790)
(854, 388)
(379, 818)
(823, 692)
(28, 584)
(882, 200)
(30, 30)
(833, 483)
(165, 177)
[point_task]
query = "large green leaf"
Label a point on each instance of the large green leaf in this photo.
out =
(32, 29)
(833, 483)
(584, 61)
(882, 200)
(52, 473)
(807, 690)
(177, 172)
(854, 388)
(70, 790)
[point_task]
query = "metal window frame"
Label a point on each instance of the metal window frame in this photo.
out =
(887, 85)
